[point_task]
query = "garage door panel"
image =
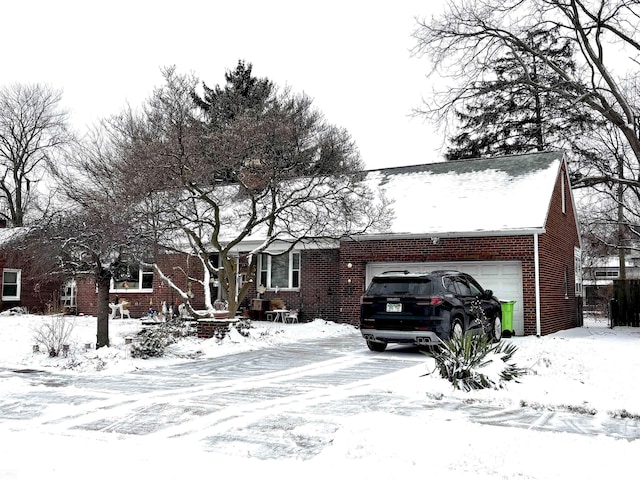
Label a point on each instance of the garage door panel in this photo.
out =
(504, 278)
(489, 270)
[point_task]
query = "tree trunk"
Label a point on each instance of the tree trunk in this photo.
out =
(102, 337)
(230, 270)
(621, 228)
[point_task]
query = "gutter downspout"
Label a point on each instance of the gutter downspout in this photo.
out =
(536, 261)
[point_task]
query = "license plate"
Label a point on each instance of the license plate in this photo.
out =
(394, 307)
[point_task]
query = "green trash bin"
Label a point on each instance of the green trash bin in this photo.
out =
(507, 318)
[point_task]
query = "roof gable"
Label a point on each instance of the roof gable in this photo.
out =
(501, 195)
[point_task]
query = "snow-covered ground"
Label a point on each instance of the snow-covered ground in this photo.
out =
(592, 370)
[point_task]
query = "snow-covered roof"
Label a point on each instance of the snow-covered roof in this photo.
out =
(499, 195)
(11, 233)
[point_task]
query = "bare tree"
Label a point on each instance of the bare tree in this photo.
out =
(471, 35)
(464, 42)
(269, 177)
(98, 231)
(609, 175)
(33, 130)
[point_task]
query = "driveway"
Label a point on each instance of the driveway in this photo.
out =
(270, 403)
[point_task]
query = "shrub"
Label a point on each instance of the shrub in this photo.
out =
(178, 328)
(54, 334)
(152, 342)
(243, 327)
(472, 362)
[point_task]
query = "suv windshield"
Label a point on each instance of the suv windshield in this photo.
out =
(384, 287)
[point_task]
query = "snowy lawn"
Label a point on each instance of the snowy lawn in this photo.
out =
(592, 370)
(17, 339)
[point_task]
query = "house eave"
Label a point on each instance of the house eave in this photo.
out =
(439, 235)
(252, 245)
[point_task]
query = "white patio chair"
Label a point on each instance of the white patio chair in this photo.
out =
(291, 317)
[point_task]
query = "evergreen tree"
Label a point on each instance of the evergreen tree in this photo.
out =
(506, 115)
(260, 128)
(241, 94)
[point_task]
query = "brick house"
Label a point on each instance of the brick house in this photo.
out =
(22, 285)
(508, 221)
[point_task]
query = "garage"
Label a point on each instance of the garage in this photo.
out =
(503, 277)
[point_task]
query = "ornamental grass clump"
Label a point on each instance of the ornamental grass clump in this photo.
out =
(473, 362)
(54, 334)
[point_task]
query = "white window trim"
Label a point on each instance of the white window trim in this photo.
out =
(131, 290)
(270, 287)
(71, 299)
(12, 298)
(577, 266)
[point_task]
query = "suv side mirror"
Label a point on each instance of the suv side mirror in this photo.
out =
(488, 293)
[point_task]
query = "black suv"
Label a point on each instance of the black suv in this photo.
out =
(425, 308)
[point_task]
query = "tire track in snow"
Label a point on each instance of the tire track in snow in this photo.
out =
(240, 415)
(116, 412)
(121, 405)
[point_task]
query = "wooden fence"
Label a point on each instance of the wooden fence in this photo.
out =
(625, 305)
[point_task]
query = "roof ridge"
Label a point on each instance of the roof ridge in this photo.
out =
(463, 160)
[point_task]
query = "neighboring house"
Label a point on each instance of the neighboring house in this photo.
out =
(22, 286)
(598, 276)
(508, 221)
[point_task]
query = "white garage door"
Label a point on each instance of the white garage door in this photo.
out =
(504, 278)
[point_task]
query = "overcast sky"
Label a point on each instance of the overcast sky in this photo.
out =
(352, 57)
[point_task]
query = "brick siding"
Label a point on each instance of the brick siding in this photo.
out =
(557, 310)
(38, 293)
(179, 267)
(317, 296)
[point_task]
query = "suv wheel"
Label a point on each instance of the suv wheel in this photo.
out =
(496, 331)
(376, 346)
(457, 329)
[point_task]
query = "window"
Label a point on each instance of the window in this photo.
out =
(607, 273)
(133, 277)
(419, 287)
(281, 271)
(476, 289)
(68, 294)
(10, 284)
(577, 267)
(459, 286)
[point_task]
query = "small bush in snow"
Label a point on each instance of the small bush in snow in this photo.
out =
(243, 327)
(473, 362)
(177, 328)
(16, 311)
(54, 334)
(624, 414)
(152, 342)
